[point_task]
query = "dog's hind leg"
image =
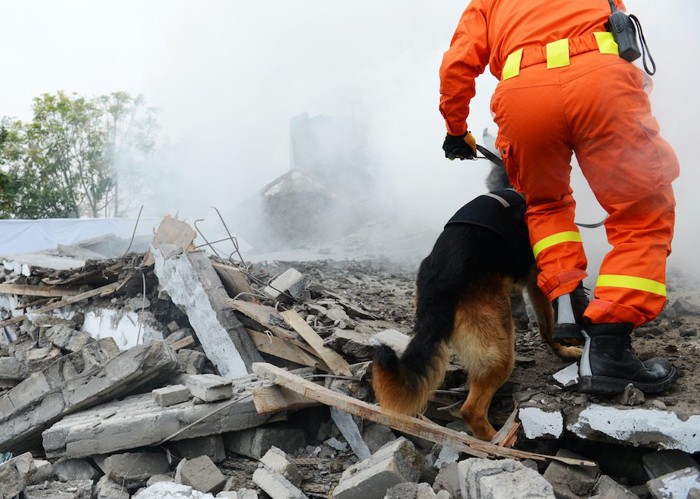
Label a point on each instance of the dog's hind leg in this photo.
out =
(545, 320)
(484, 342)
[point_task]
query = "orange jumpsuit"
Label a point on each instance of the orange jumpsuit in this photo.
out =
(563, 89)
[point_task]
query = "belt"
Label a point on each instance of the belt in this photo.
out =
(557, 54)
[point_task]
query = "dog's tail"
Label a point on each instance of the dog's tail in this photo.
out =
(404, 384)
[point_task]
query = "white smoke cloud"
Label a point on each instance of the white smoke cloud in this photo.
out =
(229, 75)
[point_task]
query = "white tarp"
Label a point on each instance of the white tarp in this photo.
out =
(26, 236)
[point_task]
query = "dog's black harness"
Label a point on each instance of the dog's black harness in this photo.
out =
(504, 213)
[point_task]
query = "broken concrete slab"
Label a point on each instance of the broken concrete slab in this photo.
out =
(681, 483)
(201, 474)
(255, 442)
(211, 446)
(395, 463)
(275, 485)
(134, 468)
(74, 469)
(288, 286)
(139, 421)
(74, 489)
(210, 387)
(351, 432)
(664, 462)
(571, 482)
(645, 427)
(538, 423)
(194, 286)
(607, 488)
(77, 381)
(171, 395)
(502, 479)
(277, 460)
(170, 490)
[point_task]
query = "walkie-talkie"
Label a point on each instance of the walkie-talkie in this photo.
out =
(624, 33)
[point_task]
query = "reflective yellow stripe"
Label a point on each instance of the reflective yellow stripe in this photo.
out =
(631, 282)
(606, 42)
(561, 237)
(512, 66)
(558, 53)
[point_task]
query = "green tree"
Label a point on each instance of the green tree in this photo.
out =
(76, 156)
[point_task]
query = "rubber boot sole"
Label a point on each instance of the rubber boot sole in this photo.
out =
(607, 385)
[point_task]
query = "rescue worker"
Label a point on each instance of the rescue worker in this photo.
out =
(564, 89)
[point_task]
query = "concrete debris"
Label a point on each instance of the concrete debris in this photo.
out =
(571, 482)
(503, 479)
(190, 376)
(395, 463)
(682, 483)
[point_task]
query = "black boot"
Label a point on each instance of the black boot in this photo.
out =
(568, 316)
(609, 363)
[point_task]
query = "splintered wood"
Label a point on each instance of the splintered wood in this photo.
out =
(413, 426)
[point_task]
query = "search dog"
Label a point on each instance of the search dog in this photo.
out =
(463, 301)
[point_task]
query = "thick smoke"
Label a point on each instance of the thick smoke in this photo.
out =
(229, 76)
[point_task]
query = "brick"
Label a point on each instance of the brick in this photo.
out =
(171, 395)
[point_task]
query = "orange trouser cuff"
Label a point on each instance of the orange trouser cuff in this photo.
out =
(559, 284)
(605, 312)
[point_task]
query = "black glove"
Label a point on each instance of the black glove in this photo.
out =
(460, 146)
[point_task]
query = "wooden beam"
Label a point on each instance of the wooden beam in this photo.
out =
(273, 345)
(277, 398)
(36, 290)
(235, 281)
(337, 363)
(109, 288)
(406, 424)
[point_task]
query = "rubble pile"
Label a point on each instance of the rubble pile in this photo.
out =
(175, 373)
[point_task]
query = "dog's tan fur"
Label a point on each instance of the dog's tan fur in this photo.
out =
(482, 338)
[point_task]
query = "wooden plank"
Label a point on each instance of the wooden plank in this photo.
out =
(235, 281)
(277, 398)
(172, 231)
(280, 348)
(36, 290)
(109, 288)
(337, 363)
(406, 424)
(269, 318)
(182, 343)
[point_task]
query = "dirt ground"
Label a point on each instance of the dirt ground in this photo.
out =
(387, 291)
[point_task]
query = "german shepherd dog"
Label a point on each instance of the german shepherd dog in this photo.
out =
(463, 301)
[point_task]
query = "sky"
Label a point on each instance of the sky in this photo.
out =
(227, 76)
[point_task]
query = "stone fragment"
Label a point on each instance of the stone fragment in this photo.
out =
(210, 387)
(410, 491)
(681, 483)
(571, 481)
(277, 461)
(607, 488)
(501, 479)
(211, 446)
(191, 361)
(194, 286)
(74, 469)
(201, 474)
(275, 485)
(663, 462)
(255, 442)
(447, 480)
(106, 488)
(395, 463)
(291, 282)
(538, 423)
(74, 489)
(134, 468)
(171, 395)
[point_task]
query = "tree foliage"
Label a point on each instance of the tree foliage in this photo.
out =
(76, 157)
